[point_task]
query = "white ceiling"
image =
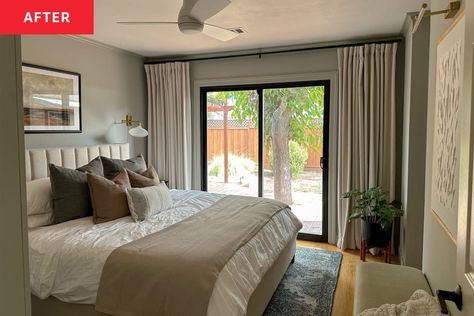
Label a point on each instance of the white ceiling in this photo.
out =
(268, 23)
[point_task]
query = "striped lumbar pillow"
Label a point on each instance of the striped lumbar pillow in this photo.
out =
(145, 202)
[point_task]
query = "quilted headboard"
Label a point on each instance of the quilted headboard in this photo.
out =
(37, 160)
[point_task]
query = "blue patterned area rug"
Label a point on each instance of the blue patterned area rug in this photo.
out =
(308, 285)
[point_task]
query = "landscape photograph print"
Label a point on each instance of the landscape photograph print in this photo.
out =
(51, 100)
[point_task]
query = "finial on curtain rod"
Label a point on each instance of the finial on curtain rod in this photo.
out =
(449, 13)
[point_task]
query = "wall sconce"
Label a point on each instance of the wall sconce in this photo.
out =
(138, 130)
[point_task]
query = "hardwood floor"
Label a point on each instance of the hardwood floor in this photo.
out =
(344, 297)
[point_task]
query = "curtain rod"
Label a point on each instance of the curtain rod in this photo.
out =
(260, 54)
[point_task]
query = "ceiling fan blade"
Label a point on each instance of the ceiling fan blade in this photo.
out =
(219, 33)
(204, 9)
(144, 22)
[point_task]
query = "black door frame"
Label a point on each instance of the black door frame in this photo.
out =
(259, 88)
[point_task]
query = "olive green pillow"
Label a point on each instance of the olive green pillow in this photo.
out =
(94, 167)
(70, 194)
(113, 166)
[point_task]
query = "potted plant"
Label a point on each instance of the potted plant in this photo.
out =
(376, 213)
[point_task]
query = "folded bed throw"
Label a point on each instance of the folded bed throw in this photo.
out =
(173, 272)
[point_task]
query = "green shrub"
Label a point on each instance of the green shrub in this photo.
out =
(215, 168)
(238, 166)
(298, 158)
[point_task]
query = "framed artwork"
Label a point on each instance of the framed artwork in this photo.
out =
(446, 137)
(51, 100)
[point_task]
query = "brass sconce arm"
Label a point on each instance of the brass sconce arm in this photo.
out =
(129, 120)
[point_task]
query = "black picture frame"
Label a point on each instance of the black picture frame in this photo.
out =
(49, 97)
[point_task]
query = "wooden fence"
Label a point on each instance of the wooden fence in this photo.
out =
(244, 142)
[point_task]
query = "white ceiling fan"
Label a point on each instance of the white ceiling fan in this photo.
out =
(192, 16)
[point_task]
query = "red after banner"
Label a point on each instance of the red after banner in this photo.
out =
(47, 17)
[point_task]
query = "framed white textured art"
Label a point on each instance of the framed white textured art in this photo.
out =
(445, 163)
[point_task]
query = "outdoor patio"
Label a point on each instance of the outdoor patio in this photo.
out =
(306, 194)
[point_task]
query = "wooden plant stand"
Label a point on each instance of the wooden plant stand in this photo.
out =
(387, 251)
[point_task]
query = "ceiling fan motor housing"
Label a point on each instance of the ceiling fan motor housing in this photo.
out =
(189, 25)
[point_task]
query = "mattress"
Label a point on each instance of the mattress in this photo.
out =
(66, 260)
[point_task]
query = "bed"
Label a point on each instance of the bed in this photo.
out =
(66, 260)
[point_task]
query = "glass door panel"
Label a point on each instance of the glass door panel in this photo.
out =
(271, 141)
(293, 147)
(232, 142)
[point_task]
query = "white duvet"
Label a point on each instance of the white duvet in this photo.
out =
(66, 260)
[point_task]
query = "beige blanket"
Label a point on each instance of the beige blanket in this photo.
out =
(420, 303)
(173, 272)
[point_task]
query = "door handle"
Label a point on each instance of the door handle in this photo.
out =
(321, 163)
(453, 296)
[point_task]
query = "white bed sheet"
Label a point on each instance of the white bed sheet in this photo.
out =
(66, 260)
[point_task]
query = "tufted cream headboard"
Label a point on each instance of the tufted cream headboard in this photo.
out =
(37, 160)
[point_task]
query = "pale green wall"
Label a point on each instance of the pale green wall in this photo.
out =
(112, 84)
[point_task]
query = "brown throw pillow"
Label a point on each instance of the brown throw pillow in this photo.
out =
(148, 178)
(122, 179)
(109, 199)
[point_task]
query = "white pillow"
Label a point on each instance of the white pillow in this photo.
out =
(145, 202)
(39, 203)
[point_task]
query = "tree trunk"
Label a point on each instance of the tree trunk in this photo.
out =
(280, 134)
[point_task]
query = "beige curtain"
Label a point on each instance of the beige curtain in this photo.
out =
(169, 108)
(366, 128)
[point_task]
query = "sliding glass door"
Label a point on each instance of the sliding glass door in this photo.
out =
(270, 141)
(293, 143)
(232, 142)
